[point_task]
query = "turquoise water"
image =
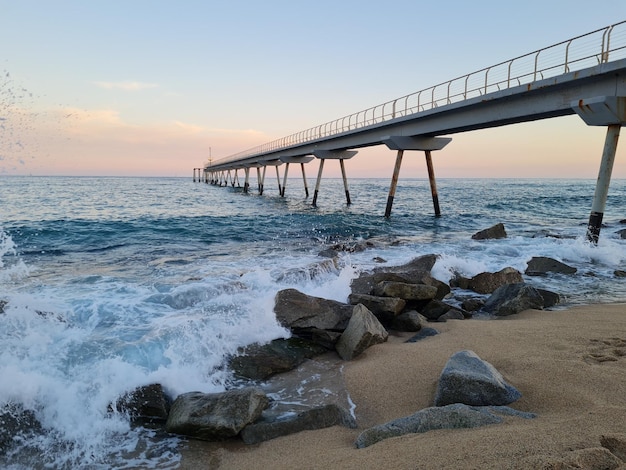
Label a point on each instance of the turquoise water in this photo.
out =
(158, 279)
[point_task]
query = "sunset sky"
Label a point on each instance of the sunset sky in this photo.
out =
(147, 87)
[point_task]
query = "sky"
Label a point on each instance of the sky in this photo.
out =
(155, 88)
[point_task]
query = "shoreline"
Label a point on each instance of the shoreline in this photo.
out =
(569, 364)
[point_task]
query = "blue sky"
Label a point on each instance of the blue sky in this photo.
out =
(146, 87)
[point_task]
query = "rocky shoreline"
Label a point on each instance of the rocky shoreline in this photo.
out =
(385, 301)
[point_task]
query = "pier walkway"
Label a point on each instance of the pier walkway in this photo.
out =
(585, 75)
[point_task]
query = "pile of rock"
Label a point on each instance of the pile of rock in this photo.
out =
(402, 298)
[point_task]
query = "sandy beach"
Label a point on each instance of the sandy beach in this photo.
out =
(570, 366)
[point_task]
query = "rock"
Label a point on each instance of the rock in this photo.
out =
(540, 266)
(408, 321)
(215, 416)
(436, 308)
(405, 290)
(550, 299)
(299, 311)
(3, 303)
(421, 264)
(328, 253)
(316, 418)
(510, 299)
(622, 233)
(459, 281)
(473, 304)
(619, 273)
(146, 404)
(497, 231)
(258, 362)
(451, 315)
(455, 416)
(17, 421)
(616, 443)
(384, 308)
(423, 333)
(363, 331)
(468, 379)
(325, 338)
(378, 259)
(365, 283)
(486, 283)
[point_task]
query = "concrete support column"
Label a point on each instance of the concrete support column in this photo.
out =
(317, 183)
(394, 183)
(258, 179)
(433, 183)
(602, 185)
(426, 144)
(298, 159)
(306, 187)
(282, 192)
(340, 155)
(246, 183)
(609, 111)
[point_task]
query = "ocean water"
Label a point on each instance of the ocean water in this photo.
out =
(113, 283)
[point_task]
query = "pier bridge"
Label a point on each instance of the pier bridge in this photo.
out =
(584, 75)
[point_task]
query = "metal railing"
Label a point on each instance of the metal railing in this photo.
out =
(588, 50)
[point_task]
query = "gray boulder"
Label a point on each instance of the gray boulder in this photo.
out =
(468, 379)
(405, 290)
(510, 299)
(540, 266)
(298, 311)
(455, 416)
(550, 299)
(497, 231)
(451, 315)
(486, 283)
(365, 283)
(215, 416)
(384, 308)
(17, 421)
(422, 334)
(408, 321)
(316, 418)
(436, 308)
(146, 404)
(363, 331)
(258, 362)
(421, 264)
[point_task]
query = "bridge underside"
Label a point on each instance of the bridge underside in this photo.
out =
(597, 94)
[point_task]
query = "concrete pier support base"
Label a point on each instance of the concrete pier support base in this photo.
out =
(340, 155)
(602, 185)
(609, 111)
(426, 144)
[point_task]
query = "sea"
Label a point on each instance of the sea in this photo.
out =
(111, 283)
